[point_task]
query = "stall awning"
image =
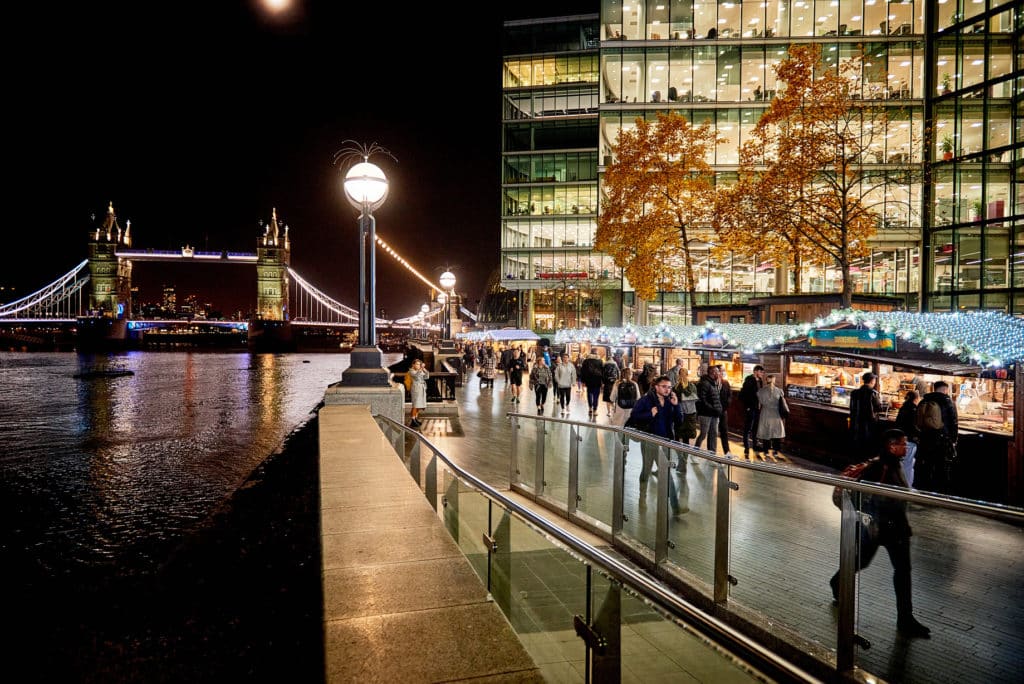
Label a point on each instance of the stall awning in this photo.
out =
(501, 336)
(987, 339)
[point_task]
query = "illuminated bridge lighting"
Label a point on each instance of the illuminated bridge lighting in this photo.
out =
(398, 257)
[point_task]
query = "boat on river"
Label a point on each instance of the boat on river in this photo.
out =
(88, 375)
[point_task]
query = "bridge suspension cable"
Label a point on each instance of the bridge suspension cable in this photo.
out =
(312, 304)
(60, 299)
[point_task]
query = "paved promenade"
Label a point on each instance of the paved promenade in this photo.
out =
(967, 570)
(401, 601)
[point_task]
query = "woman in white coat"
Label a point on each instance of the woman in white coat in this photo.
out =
(771, 428)
(418, 391)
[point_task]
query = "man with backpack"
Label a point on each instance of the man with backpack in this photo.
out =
(950, 416)
(625, 395)
(936, 452)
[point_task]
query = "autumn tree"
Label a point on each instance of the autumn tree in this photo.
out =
(810, 176)
(658, 202)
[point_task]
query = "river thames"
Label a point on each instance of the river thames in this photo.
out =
(104, 478)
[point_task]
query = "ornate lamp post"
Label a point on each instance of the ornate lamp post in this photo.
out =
(442, 299)
(447, 281)
(366, 188)
(424, 310)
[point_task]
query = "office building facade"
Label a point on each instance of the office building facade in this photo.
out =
(950, 235)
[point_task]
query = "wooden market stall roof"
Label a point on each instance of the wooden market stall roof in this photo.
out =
(500, 336)
(984, 339)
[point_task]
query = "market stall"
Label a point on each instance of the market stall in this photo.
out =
(980, 356)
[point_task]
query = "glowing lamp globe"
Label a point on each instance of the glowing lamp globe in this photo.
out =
(447, 280)
(424, 309)
(366, 186)
(442, 298)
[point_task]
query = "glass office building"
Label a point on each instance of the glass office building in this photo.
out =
(950, 233)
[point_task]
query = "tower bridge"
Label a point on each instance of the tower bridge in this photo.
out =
(95, 296)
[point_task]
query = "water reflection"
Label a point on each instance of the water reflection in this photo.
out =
(115, 471)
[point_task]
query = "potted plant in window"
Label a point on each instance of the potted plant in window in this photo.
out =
(946, 83)
(977, 207)
(947, 148)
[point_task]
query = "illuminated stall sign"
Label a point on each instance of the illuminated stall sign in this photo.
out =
(712, 338)
(853, 339)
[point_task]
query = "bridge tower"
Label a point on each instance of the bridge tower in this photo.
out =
(273, 256)
(110, 278)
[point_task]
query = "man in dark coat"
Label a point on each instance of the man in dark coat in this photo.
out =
(865, 405)
(890, 528)
(950, 416)
(592, 375)
(709, 408)
(505, 361)
(725, 393)
(748, 395)
(657, 413)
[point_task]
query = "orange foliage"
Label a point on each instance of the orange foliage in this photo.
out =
(658, 200)
(804, 181)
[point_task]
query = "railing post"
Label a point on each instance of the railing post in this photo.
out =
(538, 469)
(845, 630)
(618, 486)
(661, 528)
(414, 462)
(723, 485)
(451, 504)
(574, 471)
(513, 458)
(430, 484)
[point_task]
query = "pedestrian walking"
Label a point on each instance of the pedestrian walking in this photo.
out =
(540, 381)
(890, 528)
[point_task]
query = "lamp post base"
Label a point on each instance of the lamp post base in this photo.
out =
(365, 369)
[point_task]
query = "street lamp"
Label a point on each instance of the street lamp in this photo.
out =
(366, 188)
(442, 299)
(447, 281)
(424, 310)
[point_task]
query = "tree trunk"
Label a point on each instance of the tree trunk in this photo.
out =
(797, 264)
(691, 282)
(846, 294)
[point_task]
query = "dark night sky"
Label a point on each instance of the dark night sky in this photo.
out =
(196, 119)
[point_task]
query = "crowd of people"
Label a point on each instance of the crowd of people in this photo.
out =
(919, 452)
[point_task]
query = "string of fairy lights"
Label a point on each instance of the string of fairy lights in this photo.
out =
(988, 338)
(433, 313)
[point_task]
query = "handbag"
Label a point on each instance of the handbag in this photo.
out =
(479, 374)
(783, 408)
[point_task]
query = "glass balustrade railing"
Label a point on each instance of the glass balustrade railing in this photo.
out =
(757, 543)
(581, 614)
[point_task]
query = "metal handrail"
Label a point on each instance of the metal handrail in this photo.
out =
(1002, 512)
(731, 639)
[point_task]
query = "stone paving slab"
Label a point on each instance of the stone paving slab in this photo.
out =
(401, 601)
